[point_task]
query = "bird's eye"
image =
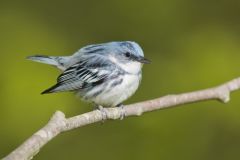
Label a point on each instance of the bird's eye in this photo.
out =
(127, 54)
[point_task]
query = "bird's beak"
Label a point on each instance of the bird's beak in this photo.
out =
(143, 60)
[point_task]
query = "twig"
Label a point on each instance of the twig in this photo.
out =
(58, 123)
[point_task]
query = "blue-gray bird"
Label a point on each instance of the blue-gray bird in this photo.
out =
(105, 74)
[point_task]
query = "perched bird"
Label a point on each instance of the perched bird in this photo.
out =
(105, 74)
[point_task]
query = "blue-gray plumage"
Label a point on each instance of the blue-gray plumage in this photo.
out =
(105, 74)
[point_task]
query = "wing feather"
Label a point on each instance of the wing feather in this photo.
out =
(80, 76)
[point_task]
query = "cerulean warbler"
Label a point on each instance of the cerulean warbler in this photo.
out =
(105, 74)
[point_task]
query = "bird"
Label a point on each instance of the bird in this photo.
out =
(105, 74)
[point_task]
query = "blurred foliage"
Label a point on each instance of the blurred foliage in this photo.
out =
(193, 44)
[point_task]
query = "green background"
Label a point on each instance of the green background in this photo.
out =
(193, 44)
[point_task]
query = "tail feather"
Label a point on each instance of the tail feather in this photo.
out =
(60, 62)
(44, 59)
(50, 90)
(57, 88)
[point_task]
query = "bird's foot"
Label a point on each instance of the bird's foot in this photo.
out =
(122, 114)
(103, 112)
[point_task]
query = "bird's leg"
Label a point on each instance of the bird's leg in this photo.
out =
(123, 114)
(103, 112)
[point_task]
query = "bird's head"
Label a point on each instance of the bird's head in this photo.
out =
(128, 55)
(128, 51)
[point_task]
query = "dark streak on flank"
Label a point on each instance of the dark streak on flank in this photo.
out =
(97, 82)
(97, 93)
(117, 82)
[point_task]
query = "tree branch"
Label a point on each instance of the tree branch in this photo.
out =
(58, 123)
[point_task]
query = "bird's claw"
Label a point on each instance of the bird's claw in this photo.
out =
(123, 113)
(103, 112)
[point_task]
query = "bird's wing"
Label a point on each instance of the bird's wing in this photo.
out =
(81, 75)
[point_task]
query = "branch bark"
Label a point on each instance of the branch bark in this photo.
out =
(58, 123)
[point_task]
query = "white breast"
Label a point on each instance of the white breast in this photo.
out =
(116, 95)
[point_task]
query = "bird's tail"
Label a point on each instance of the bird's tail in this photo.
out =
(59, 62)
(44, 59)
